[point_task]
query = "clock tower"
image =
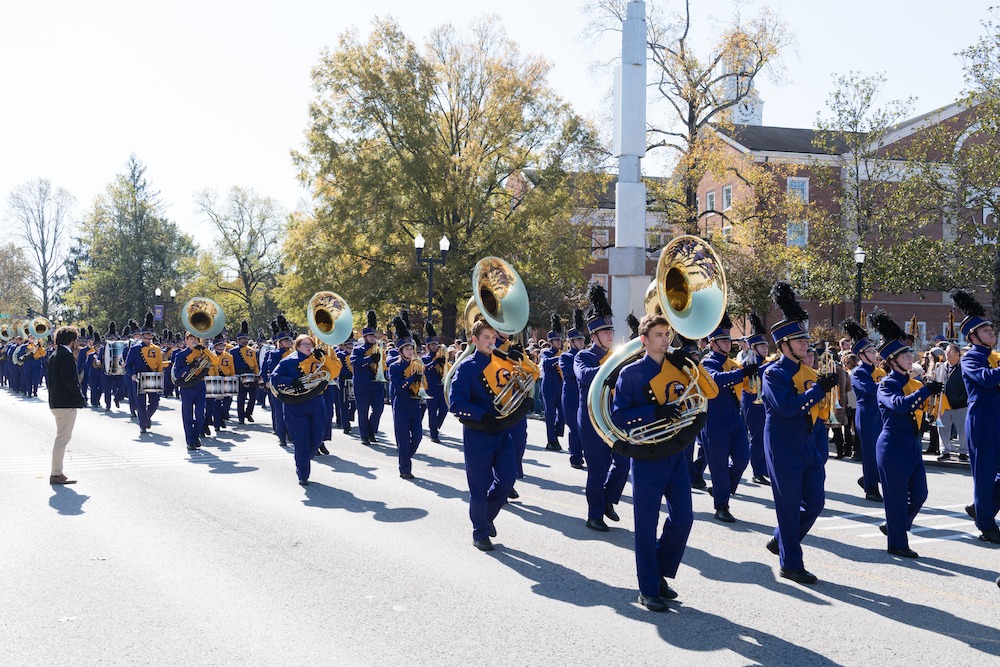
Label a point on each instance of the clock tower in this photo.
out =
(750, 110)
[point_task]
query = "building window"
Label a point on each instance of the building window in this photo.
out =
(727, 197)
(602, 280)
(710, 201)
(798, 234)
(600, 240)
(920, 336)
(798, 188)
(727, 233)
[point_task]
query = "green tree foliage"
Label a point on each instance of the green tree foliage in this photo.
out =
(15, 282)
(248, 251)
(435, 140)
(126, 249)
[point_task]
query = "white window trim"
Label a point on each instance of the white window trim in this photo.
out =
(710, 201)
(798, 179)
(788, 239)
(727, 189)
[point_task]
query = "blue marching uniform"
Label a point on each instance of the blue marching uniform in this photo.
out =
(797, 470)
(406, 414)
(304, 422)
(981, 372)
(437, 407)
(570, 404)
(753, 417)
(144, 358)
(607, 471)
(271, 361)
(113, 386)
(245, 363)
(490, 459)
(369, 395)
(867, 421)
(552, 383)
(344, 405)
(724, 437)
(899, 454)
(95, 379)
(192, 397)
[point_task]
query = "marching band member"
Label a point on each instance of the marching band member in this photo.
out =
(345, 407)
(144, 358)
(333, 366)
(245, 363)
(898, 451)
(867, 418)
(405, 381)
(132, 337)
(368, 394)
(264, 347)
(607, 471)
(191, 364)
(223, 366)
(981, 372)
(281, 335)
(95, 376)
(751, 404)
(434, 365)
(552, 386)
(490, 459)
(169, 346)
(570, 397)
(724, 436)
(509, 353)
(113, 386)
(82, 357)
(790, 406)
(643, 394)
(304, 419)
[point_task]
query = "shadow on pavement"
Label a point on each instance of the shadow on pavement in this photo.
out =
(327, 497)
(66, 501)
(218, 466)
(683, 627)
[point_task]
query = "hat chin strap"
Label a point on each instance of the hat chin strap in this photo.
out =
(791, 354)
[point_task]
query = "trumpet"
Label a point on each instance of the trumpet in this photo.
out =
(690, 291)
(753, 382)
(935, 406)
(380, 374)
(831, 401)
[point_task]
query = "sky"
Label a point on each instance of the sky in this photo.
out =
(215, 93)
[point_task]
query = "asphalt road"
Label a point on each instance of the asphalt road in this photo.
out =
(162, 557)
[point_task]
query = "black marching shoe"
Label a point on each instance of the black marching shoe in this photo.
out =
(666, 592)
(577, 464)
(653, 602)
(963, 457)
(483, 544)
(760, 479)
(192, 448)
(874, 497)
(802, 576)
(699, 484)
(945, 457)
(992, 536)
(406, 475)
(323, 449)
(282, 443)
(493, 530)
(347, 430)
(553, 447)
(513, 495)
(773, 547)
(142, 431)
(903, 553)
(971, 511)
(435, 439)
(303, 482)
(884, 529)
(598, 525)
(609, 511)
(722, 514)
(250, 418)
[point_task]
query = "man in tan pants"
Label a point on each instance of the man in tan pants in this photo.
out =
(65, 397)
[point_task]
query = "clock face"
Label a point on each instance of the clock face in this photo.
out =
(744, 112)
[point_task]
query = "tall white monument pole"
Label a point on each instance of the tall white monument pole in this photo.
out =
(627, 260)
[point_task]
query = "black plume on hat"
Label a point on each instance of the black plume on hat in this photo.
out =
(149, 320)
(556, 323)
(283, 324)
(633, 325)
(784, 298)
(165, 333)
(405, 314)
(757, 325)
(245, 328)
(274, 327)
(97, 338)
(885, 325)
(372, 320)
(854, 329)
(967, 303)
(402, 331)
(429, 329)
(127, 331)
(599, 306)
(726, 322)
(111, 329)
(133, 325)
(578, 322)
(90, 330)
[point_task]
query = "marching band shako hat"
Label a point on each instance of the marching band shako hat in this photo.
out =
(794, 324)
(722, 331)
(633, 325)
(430, 333)
(372, 324)
(219, 340)
(757, 331)
(244, 330)
(578, 326)
(127, 331)
(97, 338)
(281, 328)
(147, 325)
(261, 338)
(556, 332)
(599, 315)
(402, 332)
(88, 333)
(112, 332)
(892, 334)
(975, 314)
(858, 334)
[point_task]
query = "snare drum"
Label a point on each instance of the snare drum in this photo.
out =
(151, 383)
(247, 378)
(348, 389)
(221, 386)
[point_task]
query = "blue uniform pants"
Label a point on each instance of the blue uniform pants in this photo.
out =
(193, 412)
(305, 423)
(569, 403)
(652, 481)
(407, 426)
(984, 457)
(278, 420)
(490, 465)
(246, 398)
(519, 435)
(753, 416)
(437, 410)
(114, 386)
(607, 472)
(867, 428)
(551, 400)
(95, 380)
(370, 397)
(797, 479)
(145, 407)
(728, 453)
(904, 483)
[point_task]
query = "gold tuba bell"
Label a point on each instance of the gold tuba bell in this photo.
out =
(690, 291)
(40, 327)
(330, 318)
(5, 332)
(203, 317)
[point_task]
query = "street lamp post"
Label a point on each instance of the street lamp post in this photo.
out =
(173, 302)
(859, 259)
(429, 262)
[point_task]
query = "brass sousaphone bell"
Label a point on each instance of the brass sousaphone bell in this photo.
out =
(203, 317)
(330, 318)
(690, 291)
(39, 327)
